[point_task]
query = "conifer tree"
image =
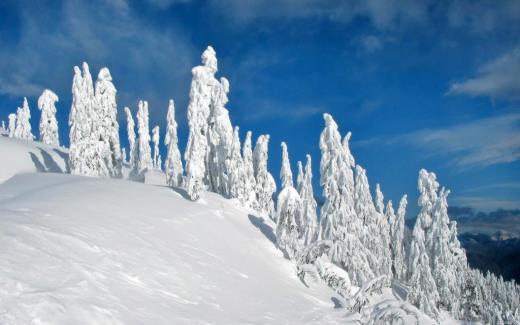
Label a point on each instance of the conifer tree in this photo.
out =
(173, 164)
(108, 127)
(397, 237)
(310, 231)
(133, 158)
(235, 170)
(265, 184)
(155, 140)
(23, 125)
(12, 124)
(145, 156)
(249, 173)
(299, 178)
(48, 123)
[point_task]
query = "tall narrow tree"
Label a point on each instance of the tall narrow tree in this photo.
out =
(265, 184)
(173, 163)
(23, 124)
(143, 131)
(309, 233)
(48, 123)
(156, 138)
(249, 173)
(134, 150)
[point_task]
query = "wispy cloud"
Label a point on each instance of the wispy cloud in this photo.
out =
(479, 143)
(496, 79)
(485, 203)
(506, 185)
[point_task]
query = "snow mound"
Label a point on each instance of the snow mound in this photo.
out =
(23, 156)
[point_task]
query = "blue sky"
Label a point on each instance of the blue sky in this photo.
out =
(431, 84)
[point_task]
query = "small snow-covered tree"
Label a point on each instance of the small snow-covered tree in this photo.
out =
(235, 170)
(133, 158)
(48, 123)
(309, 218)
(249, 173)
(145, 156)
(23, 124)
(202, 86)
(299, 177)
(12, 124)
(156, 138)
(106, 108)
(173, 164)
(397, 237)
(289, 206)
(265, 184)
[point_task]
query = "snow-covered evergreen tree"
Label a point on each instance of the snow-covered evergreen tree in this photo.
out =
(235, 170)
(220, 138)
(173, 163)
(309, 218)
(23, 124)
(123, 155)
(156, 138)
(12, 124)
(202, 87)
(145, 156)
(108, 127)
(133, 158)
(397, 237)
(88, 152)
(48, 123)
(249, 173)
(265, 184)
(299, 177)
(289, 207)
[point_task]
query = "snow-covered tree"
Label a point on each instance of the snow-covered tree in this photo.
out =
(88, 151)
(3, 126)
(123, 155)
(289, 207)
(12, 124)
(423, 293)
(202, 87)
(156, 138)
(133, 158)
(173, 163)
(48, 123)
(309, 219)
(220, 138)
(249, 173)
(299, 177)
(235, 170)
(145, 156)
(23, 124)
(108, 127)
(265, 184)
(397, 237)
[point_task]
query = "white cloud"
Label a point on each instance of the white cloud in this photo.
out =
(496, 79)
(480, 143)
(485, 203)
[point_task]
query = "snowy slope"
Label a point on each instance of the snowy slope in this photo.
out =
(77, 250)
(22, 156)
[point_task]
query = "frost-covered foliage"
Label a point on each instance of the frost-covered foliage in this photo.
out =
(145, 162)
(88, 151)
(173, 163)
(156, 138)
(220, 138)
(309, 218)
(249, 173)
(299, 178)
(48, 123)
(133, 158)
(361, 298)
(265, 184)
(23, 124)
(235, 171)
(108, 127)
(397, 236)
(289, 210)
(199, 109)
(12, 124)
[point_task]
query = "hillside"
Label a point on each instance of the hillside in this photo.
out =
(78, 250)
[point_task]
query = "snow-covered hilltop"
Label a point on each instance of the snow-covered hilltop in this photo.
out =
(110, 249)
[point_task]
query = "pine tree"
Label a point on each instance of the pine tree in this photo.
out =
(155, 140)
(249, 173)
(130, 129)
(289, 207)
(145, 157)
(12, 124)
(108, 127)
(48, 123)
(397, 237)
(310, 231)
(299, 178)
(23, 125)
(235, 170)
(265, 184)
(173, 164)
(202, 86)
(220, 138)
